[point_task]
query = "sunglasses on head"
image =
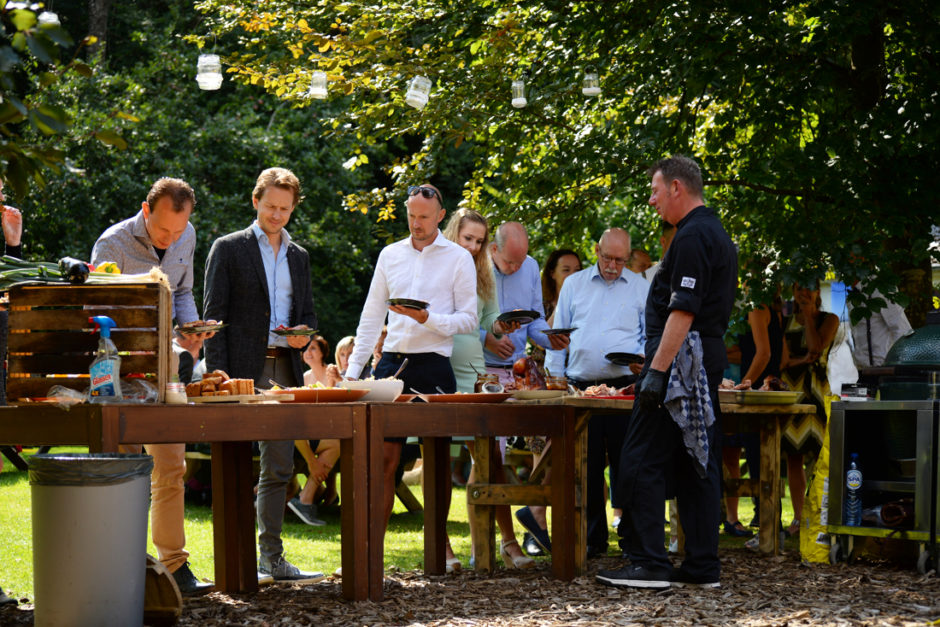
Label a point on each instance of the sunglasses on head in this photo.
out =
(426, 192)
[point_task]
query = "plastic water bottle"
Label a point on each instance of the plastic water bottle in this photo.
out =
(853, 499)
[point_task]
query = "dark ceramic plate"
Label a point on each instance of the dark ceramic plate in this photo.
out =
(285, 332)
(522, 316)
(624, 359)
(559, 331)
(408, 302)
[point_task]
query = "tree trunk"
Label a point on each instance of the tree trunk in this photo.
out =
(98, 25)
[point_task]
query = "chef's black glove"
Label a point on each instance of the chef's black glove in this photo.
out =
(651, 390)
(74, 270)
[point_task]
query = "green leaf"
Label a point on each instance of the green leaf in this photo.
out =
(128, 116)
(48, 124)
(42, 48)
(47, 78)
(83, 69)
(9, 114)
(111, 138)
(23, 19)
(59, 35)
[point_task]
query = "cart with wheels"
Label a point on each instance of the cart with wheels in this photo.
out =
(897, 446)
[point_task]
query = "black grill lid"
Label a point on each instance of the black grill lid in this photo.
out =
(920, 347)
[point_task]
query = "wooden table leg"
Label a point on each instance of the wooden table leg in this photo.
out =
(580, 482)
(563, 500)
(354, 513)
(482, 521)
(233, 517)
(768, 538)
(436, 499)
(375, 550)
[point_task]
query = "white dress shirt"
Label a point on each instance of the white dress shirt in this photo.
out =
(609, 318)
(443, 275)
(886, 327)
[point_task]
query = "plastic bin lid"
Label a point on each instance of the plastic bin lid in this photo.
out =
(86, 469)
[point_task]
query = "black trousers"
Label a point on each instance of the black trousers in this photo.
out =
(606, 434)
(652, 450)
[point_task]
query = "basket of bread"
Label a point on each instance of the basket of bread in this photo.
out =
(217, 384)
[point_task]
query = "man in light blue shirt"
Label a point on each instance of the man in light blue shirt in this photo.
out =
(605, 304)
(518, 286)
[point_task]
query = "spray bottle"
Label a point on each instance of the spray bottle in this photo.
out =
(105, 370)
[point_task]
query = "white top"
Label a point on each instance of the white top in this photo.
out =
(886, 326)
(443, 275)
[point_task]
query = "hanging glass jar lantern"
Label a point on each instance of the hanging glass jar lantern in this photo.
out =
(418, 92)
(317, 85)
(209, 72)
(590, 86)
(48, 18)
(518, 94)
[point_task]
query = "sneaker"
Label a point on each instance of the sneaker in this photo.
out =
(306, 513)
(682, 579)
(282, 570)
(188, 584)
(531, 547)
(527, 520)
(633, 576)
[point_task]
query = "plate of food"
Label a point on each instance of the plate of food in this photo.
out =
(559, 331)
(481, 397)
(320, 395)
(201, 326)
(624, 359)
(411, 303)
(287, 331)
(522, 316)
(759, 397)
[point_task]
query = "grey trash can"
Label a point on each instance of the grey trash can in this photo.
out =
(89, 538)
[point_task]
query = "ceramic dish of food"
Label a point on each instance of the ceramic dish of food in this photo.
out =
(379, 390)
(411, 303)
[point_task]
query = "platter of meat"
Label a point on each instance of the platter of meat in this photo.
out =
(200, 326)
(522, 316)
(284, 331)
(605, 391)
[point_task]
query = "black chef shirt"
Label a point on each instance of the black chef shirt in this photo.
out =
(698, 274)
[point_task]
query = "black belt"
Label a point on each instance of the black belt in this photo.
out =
(276, 352)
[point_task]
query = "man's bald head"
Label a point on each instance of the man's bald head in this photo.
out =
(613, 251)
(509, 247)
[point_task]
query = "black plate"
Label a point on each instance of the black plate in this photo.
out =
(408, 302)
(625, 359)
(287, 332)
(522, 316)
(202, 328)
(559, 331)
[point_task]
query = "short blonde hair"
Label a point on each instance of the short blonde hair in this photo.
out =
(347, 342)
(277, 177)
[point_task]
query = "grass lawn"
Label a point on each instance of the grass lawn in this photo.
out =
(311, 548)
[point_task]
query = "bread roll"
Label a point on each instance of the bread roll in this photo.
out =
(194, 389)
(230, 386)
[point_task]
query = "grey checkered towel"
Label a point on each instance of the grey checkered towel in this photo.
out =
(688, 401)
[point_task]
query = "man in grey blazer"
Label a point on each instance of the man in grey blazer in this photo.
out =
(256, 281)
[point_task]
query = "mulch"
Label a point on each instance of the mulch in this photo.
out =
(755, 590)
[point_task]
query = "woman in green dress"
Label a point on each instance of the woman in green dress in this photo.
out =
(470, 230)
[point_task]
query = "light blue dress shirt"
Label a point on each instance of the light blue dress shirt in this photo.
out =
(520, 290)
(280, 288)
(609, 318)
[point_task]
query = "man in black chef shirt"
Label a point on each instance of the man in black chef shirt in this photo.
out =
(693, 291)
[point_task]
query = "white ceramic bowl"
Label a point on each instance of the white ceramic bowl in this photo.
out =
(379, 390)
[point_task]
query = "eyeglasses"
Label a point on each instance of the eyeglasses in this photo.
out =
(616, 260)
(426, 192)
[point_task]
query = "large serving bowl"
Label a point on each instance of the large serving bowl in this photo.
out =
(379, 389)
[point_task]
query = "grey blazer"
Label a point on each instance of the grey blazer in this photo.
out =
(237, 293)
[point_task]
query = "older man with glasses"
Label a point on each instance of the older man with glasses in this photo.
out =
(604, 304)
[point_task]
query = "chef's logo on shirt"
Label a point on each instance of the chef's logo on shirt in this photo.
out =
(688, 282)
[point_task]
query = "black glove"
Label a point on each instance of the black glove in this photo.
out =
(651, 390)
(74, 270)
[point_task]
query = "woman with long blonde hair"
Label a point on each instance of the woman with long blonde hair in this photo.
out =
(470, 230)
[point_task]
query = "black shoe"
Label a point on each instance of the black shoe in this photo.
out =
(531, 547)
(188, 584)
(634, 577)
(682, 579)
(736, 529)
(527, 520)
(5, 600)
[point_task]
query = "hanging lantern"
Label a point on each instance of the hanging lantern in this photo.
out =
(418, 92)
(591, 85)
(209, 72)
(317, 85)
(48, 18)
(518, 94)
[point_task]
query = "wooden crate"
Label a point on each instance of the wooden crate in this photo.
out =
(51, 341)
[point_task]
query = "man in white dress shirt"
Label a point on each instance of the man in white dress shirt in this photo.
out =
(425, 266)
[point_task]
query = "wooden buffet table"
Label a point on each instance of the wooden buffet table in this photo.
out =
(230, 428)
(436, 423)
(767, 420)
